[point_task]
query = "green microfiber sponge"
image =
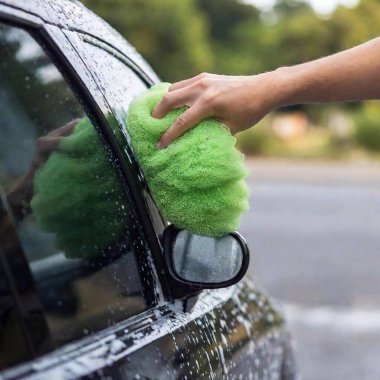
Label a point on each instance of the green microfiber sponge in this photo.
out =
(198, 181)
(78, 196)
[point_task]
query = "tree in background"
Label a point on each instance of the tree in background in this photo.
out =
(224, 18)
(172, 35)
(182, 38)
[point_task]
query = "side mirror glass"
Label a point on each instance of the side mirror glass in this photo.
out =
(205, 262)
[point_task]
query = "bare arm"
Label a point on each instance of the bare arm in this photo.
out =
(347, 76)
(240, 102)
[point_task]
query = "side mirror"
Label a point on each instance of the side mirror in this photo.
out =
(205, 262)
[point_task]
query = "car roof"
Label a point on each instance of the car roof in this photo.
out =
(74, 16)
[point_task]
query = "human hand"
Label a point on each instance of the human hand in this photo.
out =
(237, 101)
(20, 194)
(45, 145)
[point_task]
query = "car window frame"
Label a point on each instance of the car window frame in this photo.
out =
(158, 221)
(153, 231)
(19, 277)
(13, 260)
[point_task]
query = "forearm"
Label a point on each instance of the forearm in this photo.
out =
(351, 75)
(240, 102)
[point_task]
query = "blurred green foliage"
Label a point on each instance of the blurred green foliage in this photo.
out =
(368, 126)
(172, 35)
(181, 38)
(255, 141)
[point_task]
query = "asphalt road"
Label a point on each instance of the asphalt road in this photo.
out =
(314, 232)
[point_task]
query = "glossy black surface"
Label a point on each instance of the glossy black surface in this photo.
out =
(230, 333)
(64, 282)
(170, 236)
(227, 333)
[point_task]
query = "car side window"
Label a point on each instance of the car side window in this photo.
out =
(120, 85)
(13, 346)
(61, 185)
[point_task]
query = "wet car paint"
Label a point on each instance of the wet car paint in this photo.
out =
(229, 333)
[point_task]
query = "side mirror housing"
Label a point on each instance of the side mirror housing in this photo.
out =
(202, 262)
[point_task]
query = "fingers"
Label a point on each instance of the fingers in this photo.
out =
(187, 82)
(184, 122)
(69, 127)
(187, 92)
(47, 144)
(172, 100)
(44, 146)
(66, 130)
(179, 94)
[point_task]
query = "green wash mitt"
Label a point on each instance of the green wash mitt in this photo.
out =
(198, 181)
(77, 195)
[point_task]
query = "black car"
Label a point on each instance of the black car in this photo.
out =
(128, 312)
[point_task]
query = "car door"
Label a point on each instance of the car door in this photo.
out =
(73, 254)
(225, 329)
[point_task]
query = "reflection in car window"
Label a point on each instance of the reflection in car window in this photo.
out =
(13, 348)
(123, 85)
(72, 211)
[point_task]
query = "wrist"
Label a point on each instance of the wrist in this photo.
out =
(265, 91)
(276, 87)
(288, 86)
(302, 84)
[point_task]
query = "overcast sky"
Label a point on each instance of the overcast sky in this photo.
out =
(320, 6)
